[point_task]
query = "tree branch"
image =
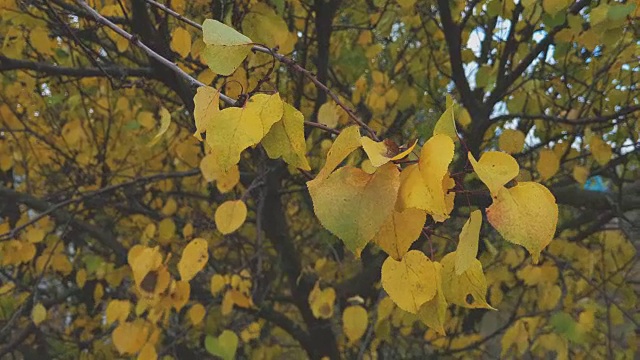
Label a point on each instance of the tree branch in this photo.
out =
(8, 64)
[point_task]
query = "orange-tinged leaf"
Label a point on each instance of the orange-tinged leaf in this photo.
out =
(181, 41)
(118, 310)
(143, 260)
(321, 301)
(548, 164)
(495, 169)
(354, 322)
(230, 215)
(411, 281)
(207, 107)
(194, 257)
(400, 230)
(148, 352)
(468, 289)
(286, 139)
(467, 249)
(525, 214)
(353, 205)
(130, 337)
(433, 313)
(511, 141)
(217, 284)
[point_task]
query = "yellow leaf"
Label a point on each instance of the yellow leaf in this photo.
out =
(180, 293)
(266, 27)
(196, 313)
(35, 235)
(468, 289)
(511, 141)
(230, 216)
(217, 284)
(181, 41)
(380, 153)
(81, 278)
(345, 144)
(446, 124)
(142, 261)
(206, 107)
(433, 313)
(422, 185)
(548, 164)
(328, 114)
(234, 129)
(354, 322)
(580, 174)
(495, 169)
(525, 214)
(118, 310)
(286, 139)
(600, 150)
(467, 249)
(365, 201)
(166, 231)
(225, 48)
(165, 122)
(148, 352)
(400, 230)
(321, 302)
(38, 314)
(170, 207)
(194, 257)
(227, 180)
(411, 281)
(129, 337)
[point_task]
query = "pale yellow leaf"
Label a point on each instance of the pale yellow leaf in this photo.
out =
(411, 281)
(468, 289)
(230, 216)
(194, 257)
(467, 249)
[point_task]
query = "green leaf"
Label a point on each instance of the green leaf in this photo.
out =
(226, 48)
(224, 346)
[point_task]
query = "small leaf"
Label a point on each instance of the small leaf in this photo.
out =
(600, 150)
(38, 313)
(181, 41)
(468, 289)
(321, 302)
(165, 122)
(194, 257)
(345, 144)
(525, 214)
(548, 164)
(382, 152)
(217, 284)
(354, 322)
(411, 281)
(580, 174)
(224, 346)
(495, 169)
(196, 313)
(511, 141)
(467, 249)
(206, 107)
(118, 310)
(230, 216)
(225, 48)
(130, 337)
(446, 124)
(328, 114)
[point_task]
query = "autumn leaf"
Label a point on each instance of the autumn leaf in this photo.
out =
(230, 215)
(130, 337)
(194, 257)
(117, 310)
(364, 202)
(225, 47)
(196, 313)
(468, 289)
(206, 108)
(411, 281)
(400, 230)
(328, 114)
(548, 164)
(382, 152)
(321, 301)
(38, 314)
(165, 122)
(600, 150)
(446, 124)
(433, 313)
(286, 139)
(344, 144)
(467, 249)
(354, 322)
(525, 214)
(495, 169)
(181, 41)
(511, 141)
